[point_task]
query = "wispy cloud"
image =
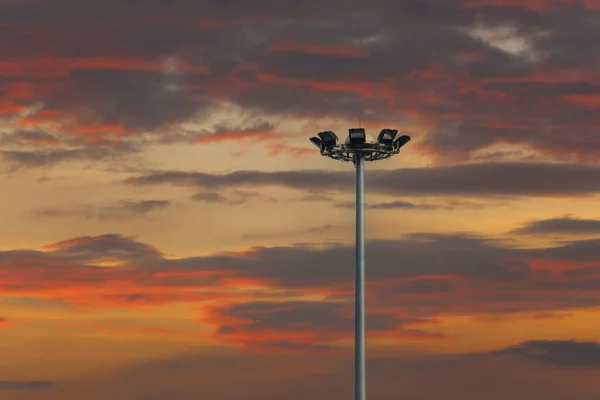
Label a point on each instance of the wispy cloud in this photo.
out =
(484, 180)
(122, 210)
(26, 385)
(562, 225)
(564, 353)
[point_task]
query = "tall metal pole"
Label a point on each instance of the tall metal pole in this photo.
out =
(359, 293)
(356, 147)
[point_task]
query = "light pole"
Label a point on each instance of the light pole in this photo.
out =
(358, 149)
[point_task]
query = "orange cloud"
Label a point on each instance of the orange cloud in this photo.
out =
(120, 329)
(5, 323)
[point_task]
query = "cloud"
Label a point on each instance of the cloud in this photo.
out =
(235, 197)
(303, 325)
(484, 179)
(402, 205)
(407, 205)
(143, 101)
(5, 323)
(210, 197)
(563, 353)
(562, 225)
(473, 74)
(260, 130)
(44, 158)
(90, 248)
(121, 210)
(26, 385)
(314, 230)
(284, 294)
(329, 376)
(28, 137)
(394, 205)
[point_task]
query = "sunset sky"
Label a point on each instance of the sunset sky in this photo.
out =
(167, 231)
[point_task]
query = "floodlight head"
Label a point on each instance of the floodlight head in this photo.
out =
(386, 136)
(357, 135)
(317, 142)
(329, 138)
(358, 146)
(401, 141)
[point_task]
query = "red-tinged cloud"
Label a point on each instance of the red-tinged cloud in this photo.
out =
(5, 323)
(163, 331)
(47, 67)
(589, 100)
(125, 328)
(301, 297)
(446, 66)
(542, 6)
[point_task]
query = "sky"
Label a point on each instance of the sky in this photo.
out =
(168, 231)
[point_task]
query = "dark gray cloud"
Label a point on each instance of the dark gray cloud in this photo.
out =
(141, 101)
(394, 61)
(122, 210)
(563, 353)
(402, 205)
(235, 197)
(484, 179)
(210, 197)
(425, 273)
(562, 225)
(48, 157)
(299, 266)
(88, 248)
(468, 377)
(145, 206)
(26, 385)
(300, 316)
(25, 137)
(431, 270)
(394, 205)
(315, 230)
(307, 325)
(407, 205)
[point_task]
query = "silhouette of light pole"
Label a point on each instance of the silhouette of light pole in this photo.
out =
(358, 148)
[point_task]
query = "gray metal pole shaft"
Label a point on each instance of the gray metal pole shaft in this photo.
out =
(359, 294)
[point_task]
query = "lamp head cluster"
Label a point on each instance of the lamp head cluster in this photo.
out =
(359, 146)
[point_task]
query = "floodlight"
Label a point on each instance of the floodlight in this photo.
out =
(386, 136)
(317, 142)
(401, 141)
(357, 135)
(329, 138)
